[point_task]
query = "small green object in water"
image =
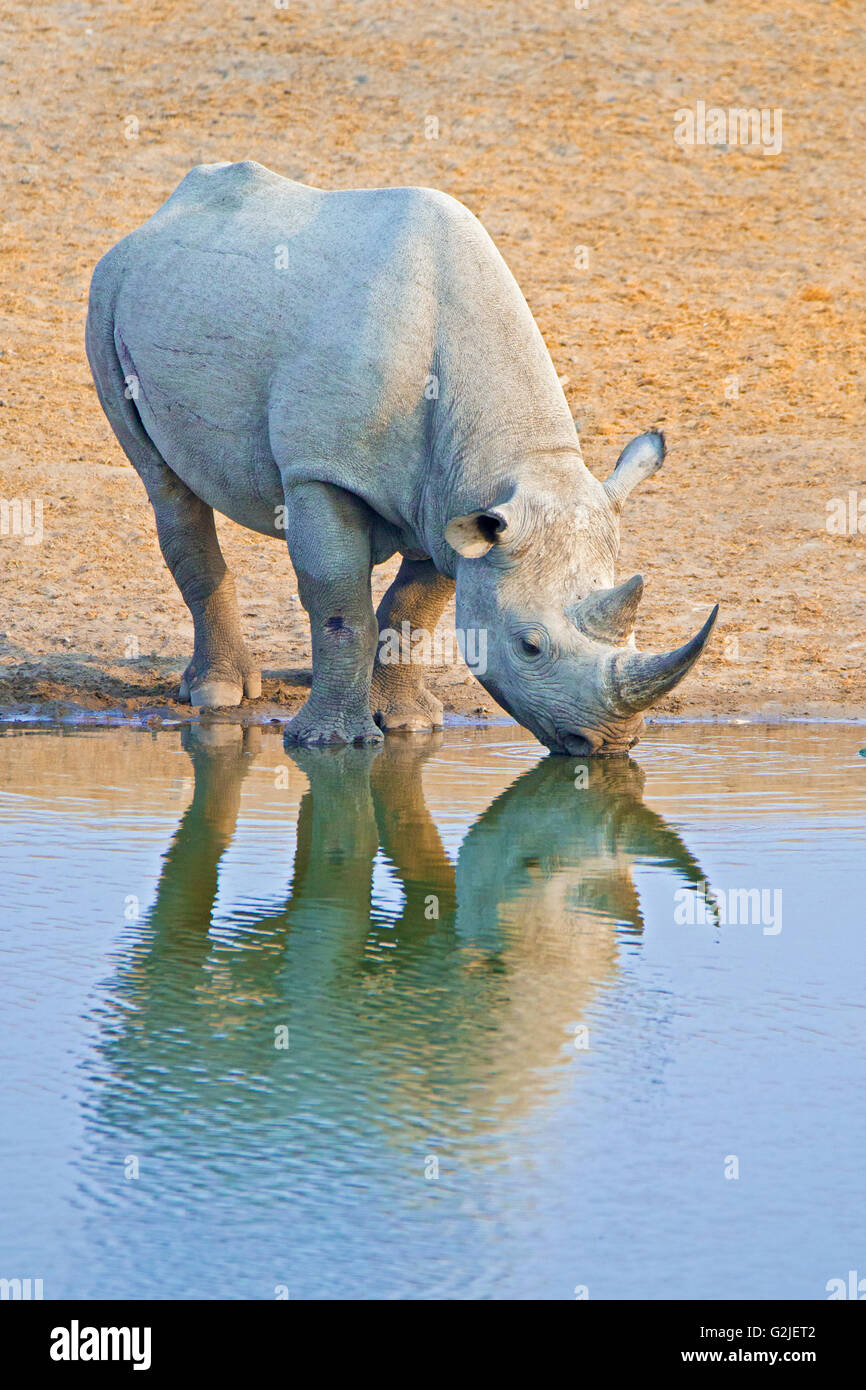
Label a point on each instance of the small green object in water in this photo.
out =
(863, 752)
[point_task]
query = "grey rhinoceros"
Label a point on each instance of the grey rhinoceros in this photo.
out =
(359, 373)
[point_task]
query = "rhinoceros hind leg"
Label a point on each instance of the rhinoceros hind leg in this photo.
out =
(222, 671)
(399, 697)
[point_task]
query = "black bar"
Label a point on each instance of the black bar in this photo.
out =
(239, 1338)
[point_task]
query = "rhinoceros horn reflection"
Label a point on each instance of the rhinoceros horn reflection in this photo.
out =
(459, 1001)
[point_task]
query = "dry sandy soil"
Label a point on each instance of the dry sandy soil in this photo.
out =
(723, 300)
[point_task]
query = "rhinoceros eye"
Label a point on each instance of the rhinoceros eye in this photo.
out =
(532, 641)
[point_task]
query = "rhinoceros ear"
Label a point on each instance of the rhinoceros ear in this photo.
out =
(637, 462)
(473, 535)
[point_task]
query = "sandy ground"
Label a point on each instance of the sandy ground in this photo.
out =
(723, 300)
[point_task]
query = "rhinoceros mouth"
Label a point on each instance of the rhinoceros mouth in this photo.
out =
(587, 743)
(576, 745)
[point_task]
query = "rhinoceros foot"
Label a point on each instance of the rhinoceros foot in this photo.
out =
(313, 727)
(215, 689)
(409, 711)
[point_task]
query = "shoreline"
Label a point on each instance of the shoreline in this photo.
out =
(54, 714)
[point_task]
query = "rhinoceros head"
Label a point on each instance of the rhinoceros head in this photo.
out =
(536, 577)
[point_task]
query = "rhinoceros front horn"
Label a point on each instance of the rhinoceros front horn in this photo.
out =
(636, 680)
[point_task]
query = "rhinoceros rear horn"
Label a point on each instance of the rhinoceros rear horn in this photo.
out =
(638, 680)
(609, 614)
(637, 462)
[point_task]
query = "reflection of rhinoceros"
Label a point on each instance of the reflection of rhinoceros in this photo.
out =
(427, 1017)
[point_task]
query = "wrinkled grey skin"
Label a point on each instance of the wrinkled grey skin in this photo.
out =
(359, 372)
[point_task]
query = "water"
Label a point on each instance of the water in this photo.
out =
(485, 968)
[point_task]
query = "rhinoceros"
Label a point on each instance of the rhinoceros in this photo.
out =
(358, 373)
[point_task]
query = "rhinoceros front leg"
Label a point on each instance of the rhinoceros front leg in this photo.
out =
(222, 671)
(329, 538)
(400, 699)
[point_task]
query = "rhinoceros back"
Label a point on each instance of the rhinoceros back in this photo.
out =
(274, 330)
(267, 326)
